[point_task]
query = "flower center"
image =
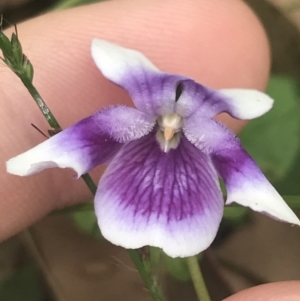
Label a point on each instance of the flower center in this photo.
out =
(168, 134)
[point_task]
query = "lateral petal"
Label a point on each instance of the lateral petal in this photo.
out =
(245, 183)
(207, 102)
(152, 91)
(88, 143)
(167, 200)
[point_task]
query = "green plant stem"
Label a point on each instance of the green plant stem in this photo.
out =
(134, 254)
(197, 279)
(140, 265)
(41, 104)
(90, 183)
(52, 122)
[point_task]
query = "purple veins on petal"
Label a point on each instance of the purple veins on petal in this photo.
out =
(152, 91)
(245, 183)
(161, 187)
(168, 200)
(207, 102)
(88, 143)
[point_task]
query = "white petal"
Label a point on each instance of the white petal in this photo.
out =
(168, 200)
(115, 61)
(152, 91)
(245, 183)
(262, 197)
(88, 143)
(246, 104)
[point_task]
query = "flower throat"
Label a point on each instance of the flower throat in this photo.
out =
(169, 131)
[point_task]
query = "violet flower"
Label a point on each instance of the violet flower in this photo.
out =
(161, 187)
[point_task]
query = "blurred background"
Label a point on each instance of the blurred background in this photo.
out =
(64, 258)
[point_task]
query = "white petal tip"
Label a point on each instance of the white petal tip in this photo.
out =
(97, 43)
(177, 238)
(114, 61)
(247, 104)
(265, 200)
(13, 168)
(17, 166)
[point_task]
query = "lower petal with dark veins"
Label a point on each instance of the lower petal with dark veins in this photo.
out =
(168, 200)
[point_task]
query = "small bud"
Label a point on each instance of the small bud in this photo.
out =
(27, 68)
(5, 46)
(16, 49)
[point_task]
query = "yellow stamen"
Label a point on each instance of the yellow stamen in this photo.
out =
(168, 133)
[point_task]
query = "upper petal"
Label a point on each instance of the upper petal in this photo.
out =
(168, 200)
(88, 143)
(206, 102)
(245, 183)
(152, 91)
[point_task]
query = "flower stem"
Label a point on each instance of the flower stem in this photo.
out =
(148, 279)
(41, 104)
(52, 122)
(15, 59)
(197, 278)
(134, 255)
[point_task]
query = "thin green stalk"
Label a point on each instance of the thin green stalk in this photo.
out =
(90, 183)
(134, 255)
(40, 102)
(197, 278)
(52, 122)
(15, 59)
(140, 265)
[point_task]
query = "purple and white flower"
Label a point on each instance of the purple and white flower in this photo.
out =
(161, 187)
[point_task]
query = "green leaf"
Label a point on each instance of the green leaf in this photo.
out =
(87, 222)
(155, 255)
(236, 214)
(273, 140)
(178, 268)
(290, 183)
(63, 4)
(22, 286)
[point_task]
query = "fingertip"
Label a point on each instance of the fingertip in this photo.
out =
(218, 43)
(279, 291)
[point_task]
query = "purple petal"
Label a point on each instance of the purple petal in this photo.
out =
(153, 92)
(88, 143)
(168, 200)
(156, 93)
(245, 183)
(206, 102)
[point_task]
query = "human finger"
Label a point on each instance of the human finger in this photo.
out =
(218, 43)
(279, 291)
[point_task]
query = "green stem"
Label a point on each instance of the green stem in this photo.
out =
(52, 122)
(197, 279)
(140, 265)
(134, 254)
(41, 104)
(90, 183)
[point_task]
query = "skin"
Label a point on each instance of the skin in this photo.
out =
(218, 43)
